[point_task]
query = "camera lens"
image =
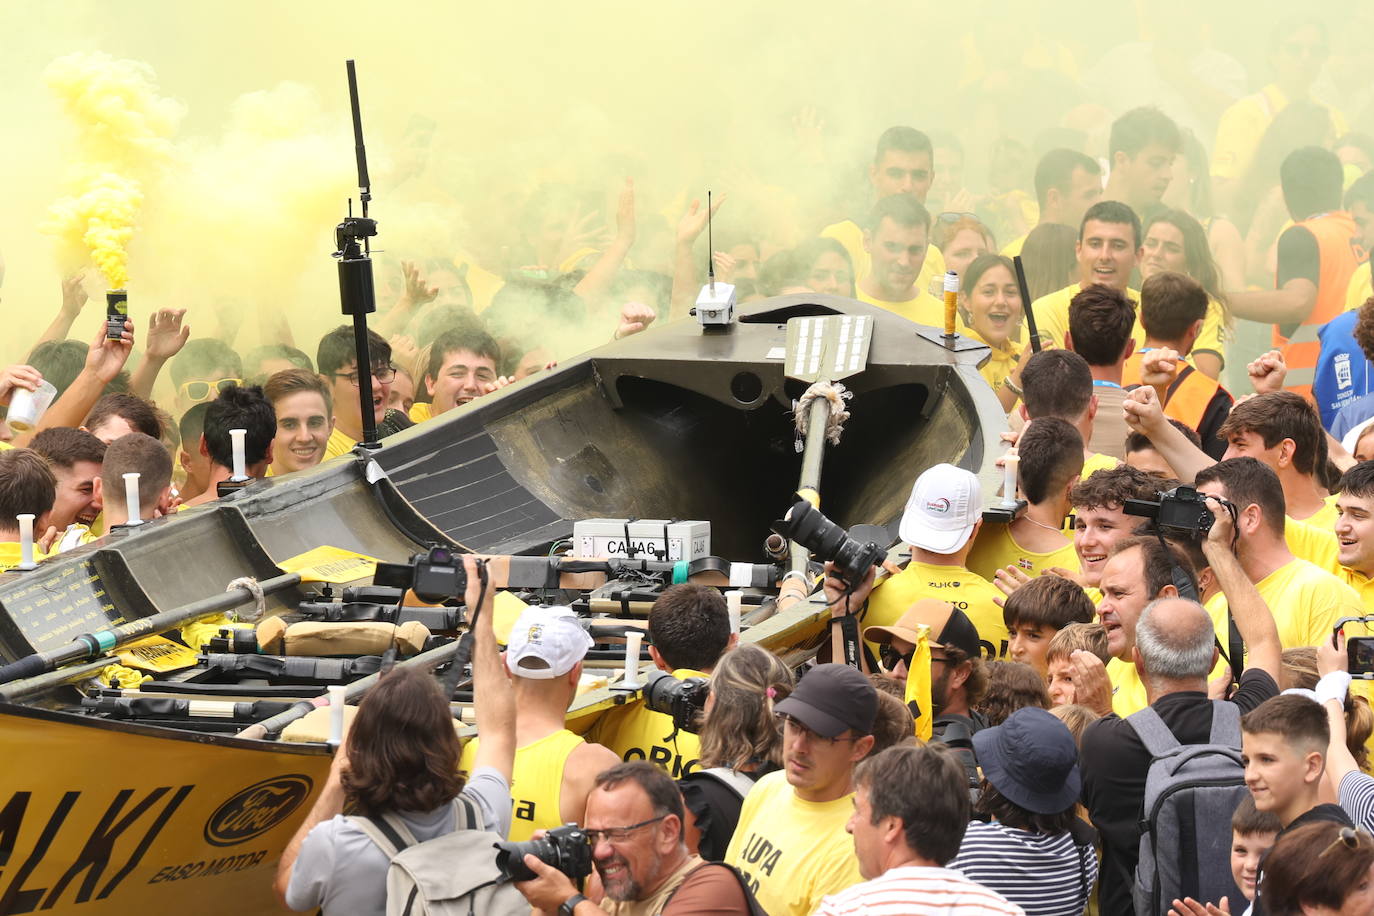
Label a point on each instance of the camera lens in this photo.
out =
(806, 525)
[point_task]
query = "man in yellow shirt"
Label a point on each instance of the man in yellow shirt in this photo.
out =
(27, 486)
(1297, 53)
(555, 769)
(1108, 250)
(903, 164)
(1059, 383)
(896, 241)
(1100, 522)
(462, 366)
(1355, 532)
(1143, 145)
(942, 516)
(1139, 571)
(790, 842)
(337, 363)
(1067, 183)
(1051, 459)
(689, 630)
(1306, 601)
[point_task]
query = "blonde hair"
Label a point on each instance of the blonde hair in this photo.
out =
(1077, 718)
(740, 728)
(1090, 637)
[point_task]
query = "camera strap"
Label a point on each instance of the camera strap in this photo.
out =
(850, 643)
(463, 655)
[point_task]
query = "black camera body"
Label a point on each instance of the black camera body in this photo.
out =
(806, 525)
(434, 576)
(1182, 512)
(566, 848)
(683, 700)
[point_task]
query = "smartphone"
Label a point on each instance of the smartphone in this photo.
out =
(116, 312)
(1359, 649)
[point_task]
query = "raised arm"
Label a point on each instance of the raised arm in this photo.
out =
(104, 360)
(165, 338)
(493, 696)
(598, 279)
(685, 275)
(1144, 414)
(73, 299)
(1252, 615)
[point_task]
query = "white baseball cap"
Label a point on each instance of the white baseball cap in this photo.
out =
(545, 643)
(946, 502)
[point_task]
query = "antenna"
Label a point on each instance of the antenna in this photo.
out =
(710, 246)
(364, 182)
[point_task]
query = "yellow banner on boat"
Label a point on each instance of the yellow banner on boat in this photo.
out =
(331, 564)
(108, 818)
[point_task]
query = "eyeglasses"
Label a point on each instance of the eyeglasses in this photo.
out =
(953, 216)
(784, 720)
(383, 374)
(1349, 837)
(619, 834)
(891, 658)
(200, 389)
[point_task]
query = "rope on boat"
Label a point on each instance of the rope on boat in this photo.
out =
(259, 600)
(836, 394)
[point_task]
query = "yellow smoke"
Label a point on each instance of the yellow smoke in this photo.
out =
(123, 137)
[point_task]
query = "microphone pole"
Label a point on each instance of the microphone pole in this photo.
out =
(357, 295)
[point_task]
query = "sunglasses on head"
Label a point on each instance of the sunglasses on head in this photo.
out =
(198, 390)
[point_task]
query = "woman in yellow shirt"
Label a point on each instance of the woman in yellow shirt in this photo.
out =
(991, 312)
(1175, 241)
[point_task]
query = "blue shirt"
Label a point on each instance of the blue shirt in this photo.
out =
(1343, 374)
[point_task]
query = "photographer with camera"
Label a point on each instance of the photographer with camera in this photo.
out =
(1306, 601)
(740, 743)
(554, 769)
(689, 631)
(400, 760)
(942, 516)
(1172, 649)
(633, 835)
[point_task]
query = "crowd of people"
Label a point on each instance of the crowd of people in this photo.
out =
(1141, 694)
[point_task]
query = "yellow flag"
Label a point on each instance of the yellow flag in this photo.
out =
(918, 684)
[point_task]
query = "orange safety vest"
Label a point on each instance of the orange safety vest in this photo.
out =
(1340, 254)
(1185, 399)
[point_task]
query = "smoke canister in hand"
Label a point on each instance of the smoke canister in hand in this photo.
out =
(951, 301)
(116, 313)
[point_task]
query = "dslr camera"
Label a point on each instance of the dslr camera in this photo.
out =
(434, 576)
(683, 700)
(806, 525)
(1181, 513)
(566, 848)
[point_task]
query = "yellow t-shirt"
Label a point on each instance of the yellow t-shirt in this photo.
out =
(11, 554)
(923, 308)
(5, 445)
(636, 732)
(1128, 690)
(793, 852)
(1097, 461)
(1360, 288)
(1317, 546)
(1013, 248)
(1002, 361)
(1213, 337)
(536, 785)
(1362, 585)
(420, 412)
(1324, 519)
(339, 444)
(967, 591)
(849, 234)
(1243, 124)
(1306, 603)
(995, 547)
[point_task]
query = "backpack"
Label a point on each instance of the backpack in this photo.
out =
(737, 782)
(1191, 792)
(450, 875)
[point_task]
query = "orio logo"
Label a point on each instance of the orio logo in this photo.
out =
(257, 809)
(940, 505)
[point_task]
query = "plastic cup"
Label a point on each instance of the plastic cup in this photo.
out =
(26, 407)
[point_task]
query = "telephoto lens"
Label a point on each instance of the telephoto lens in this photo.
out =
(683, 700)
(806, 525)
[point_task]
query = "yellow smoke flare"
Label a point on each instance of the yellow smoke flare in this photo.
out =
(123, 131)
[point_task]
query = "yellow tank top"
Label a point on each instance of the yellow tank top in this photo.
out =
(537, 783)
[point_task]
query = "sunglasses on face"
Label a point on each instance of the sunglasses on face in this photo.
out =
(198, 390)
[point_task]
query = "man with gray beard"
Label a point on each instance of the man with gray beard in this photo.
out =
(634, 821)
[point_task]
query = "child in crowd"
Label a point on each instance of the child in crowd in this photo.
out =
(1090, 637)
(1038, 610)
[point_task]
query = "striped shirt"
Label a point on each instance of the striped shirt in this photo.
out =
(1356, 793)
(913, 890)
(1046, 875)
